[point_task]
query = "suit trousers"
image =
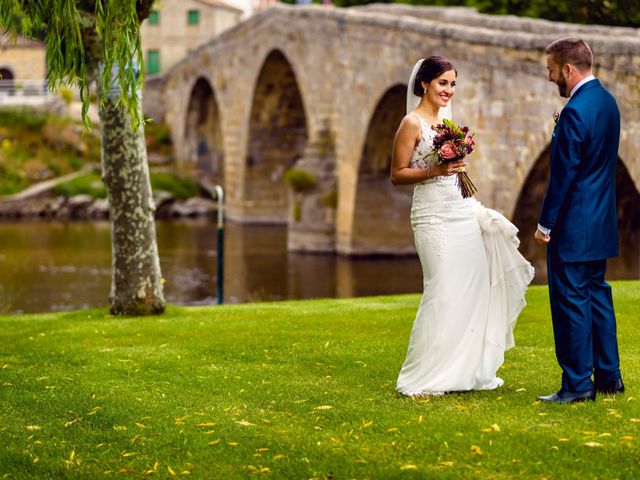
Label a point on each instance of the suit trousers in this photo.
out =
(584, 323)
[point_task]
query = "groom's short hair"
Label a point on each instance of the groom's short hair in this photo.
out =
(571, 50)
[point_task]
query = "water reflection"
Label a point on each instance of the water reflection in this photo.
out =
(47, 266)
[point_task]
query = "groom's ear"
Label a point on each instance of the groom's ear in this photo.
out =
(569, 70)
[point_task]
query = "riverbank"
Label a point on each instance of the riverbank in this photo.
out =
(294, 390)
(50, 169)
(86, 207)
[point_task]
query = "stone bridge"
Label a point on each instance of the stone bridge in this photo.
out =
(322, 90)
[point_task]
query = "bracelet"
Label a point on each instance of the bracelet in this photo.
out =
(429, 172)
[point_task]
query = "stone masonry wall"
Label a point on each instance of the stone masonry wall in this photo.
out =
(344, 61)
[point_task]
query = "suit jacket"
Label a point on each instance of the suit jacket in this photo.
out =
(580, 202)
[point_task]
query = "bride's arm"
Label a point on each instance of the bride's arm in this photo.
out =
(406, 139)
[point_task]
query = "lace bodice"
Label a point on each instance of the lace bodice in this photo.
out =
(420, 158)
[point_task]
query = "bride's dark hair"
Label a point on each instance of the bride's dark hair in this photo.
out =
(431, 67)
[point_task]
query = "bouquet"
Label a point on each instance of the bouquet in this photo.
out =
(453, 142)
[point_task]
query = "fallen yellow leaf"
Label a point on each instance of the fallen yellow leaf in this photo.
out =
(33, 427)
(627, 438)
(563, 439)
(279, 457)
(408, 467)
(475, 450)
(206, 424)
(233, 444)
(246, 423)
(593, 444)
(140, 425)
(324, 407)
(171, 471)
(214, 442)
(446, 464)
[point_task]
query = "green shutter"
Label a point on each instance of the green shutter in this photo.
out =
(154, 18)
(193, 17)
(153, 62)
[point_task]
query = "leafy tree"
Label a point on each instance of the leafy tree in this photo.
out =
(99, 41)
(603, 12)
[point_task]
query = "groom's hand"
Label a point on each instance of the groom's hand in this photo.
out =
(541, 238)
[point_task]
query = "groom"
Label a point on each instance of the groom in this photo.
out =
(578, 222)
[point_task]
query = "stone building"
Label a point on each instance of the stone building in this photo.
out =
(176, 27)
(21, 60)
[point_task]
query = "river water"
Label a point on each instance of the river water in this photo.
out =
(56, 266)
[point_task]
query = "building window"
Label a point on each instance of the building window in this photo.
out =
(154, 18)
(153, 61)
(193, 17)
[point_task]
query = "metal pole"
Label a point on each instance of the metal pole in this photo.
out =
(220, 236)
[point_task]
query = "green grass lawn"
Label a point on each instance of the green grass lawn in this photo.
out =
(294, 390)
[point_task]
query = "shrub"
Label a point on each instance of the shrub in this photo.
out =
(180, 187)
(300, 180)
(10, 181)
(66, 95)
(330, 200)
(90, 184)
(10, 117)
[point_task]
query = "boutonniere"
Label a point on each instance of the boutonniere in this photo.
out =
(556, 117)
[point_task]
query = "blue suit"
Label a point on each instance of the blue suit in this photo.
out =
(580, 209)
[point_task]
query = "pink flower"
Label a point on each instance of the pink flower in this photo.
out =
(448, 151)
(470, 141)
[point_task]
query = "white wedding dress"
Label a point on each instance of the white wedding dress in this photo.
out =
(474, 285)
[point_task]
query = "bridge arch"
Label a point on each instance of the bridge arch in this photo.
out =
(527, 210)
(276, 139)
(204, 142)
(381, 213)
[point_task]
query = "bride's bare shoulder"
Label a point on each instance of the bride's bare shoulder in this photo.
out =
(410, 121)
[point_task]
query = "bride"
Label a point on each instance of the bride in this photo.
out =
(474, 276)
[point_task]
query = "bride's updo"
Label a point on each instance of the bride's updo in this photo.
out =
(431, 67)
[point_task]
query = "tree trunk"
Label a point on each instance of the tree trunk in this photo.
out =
(136, 284)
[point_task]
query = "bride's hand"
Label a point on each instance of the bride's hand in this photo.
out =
(450, 168)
